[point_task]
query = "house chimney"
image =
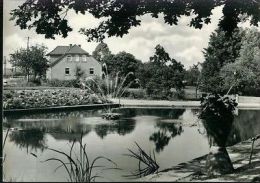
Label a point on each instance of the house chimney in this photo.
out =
(79, 45)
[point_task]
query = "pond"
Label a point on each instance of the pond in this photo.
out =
(175, 135)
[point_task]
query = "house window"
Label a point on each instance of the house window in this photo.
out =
(91, 71)
(69, 58)
(77, 58)
(67, 71)
(84, 58)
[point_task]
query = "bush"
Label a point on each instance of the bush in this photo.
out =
(167, 95)
(63, 83)
(134, 93)
(179, 94)
(217, 106)
(37, 81)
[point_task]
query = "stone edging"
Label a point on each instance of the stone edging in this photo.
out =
(59, 108)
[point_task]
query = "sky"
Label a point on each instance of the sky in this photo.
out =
(182, 42)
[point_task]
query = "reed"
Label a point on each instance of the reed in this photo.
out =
(146, 163)
(78, 166)
(4, 154)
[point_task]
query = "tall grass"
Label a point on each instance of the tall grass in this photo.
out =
(78, 167)
(146, 163)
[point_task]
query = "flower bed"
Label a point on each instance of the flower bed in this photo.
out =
(24, 99)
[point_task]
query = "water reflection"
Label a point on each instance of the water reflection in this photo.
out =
(158, 112)
(166, 131)
(168, 128)
(69, 125)
(226, 132)
(80, 113)
(32, 139)
(245, 126)
(217, 131)
(121, 127)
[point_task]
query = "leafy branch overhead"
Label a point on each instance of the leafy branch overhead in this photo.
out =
(49, 17)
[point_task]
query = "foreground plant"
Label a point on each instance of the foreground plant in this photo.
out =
(147, 164)
(78, 167)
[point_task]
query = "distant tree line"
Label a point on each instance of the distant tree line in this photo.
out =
(161, 77)
(231, 65)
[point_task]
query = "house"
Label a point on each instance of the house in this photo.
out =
(64, 61)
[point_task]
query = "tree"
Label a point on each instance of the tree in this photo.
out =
(126, 62)
(39, 62)
(161, 57)
(101, 51)
(49, 17)
(222, 49)
(122, 62)
(31, 61)
(192, 75)
(161, 74)
(243, 76)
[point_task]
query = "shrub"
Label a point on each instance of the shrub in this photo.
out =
(63, 83)
(167, 95)
(179, 94)
(217, 106)
(135, 94)
(36, 81)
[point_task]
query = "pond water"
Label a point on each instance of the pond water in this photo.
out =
(175, 135)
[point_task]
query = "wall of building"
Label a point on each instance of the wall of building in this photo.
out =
(58, 70)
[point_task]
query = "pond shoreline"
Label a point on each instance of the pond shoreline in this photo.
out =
(174, 104)
(130, 103)
(60, 108)
(194, 170)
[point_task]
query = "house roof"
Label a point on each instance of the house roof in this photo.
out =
(63, 51)
(89, 58)
(73, 49)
